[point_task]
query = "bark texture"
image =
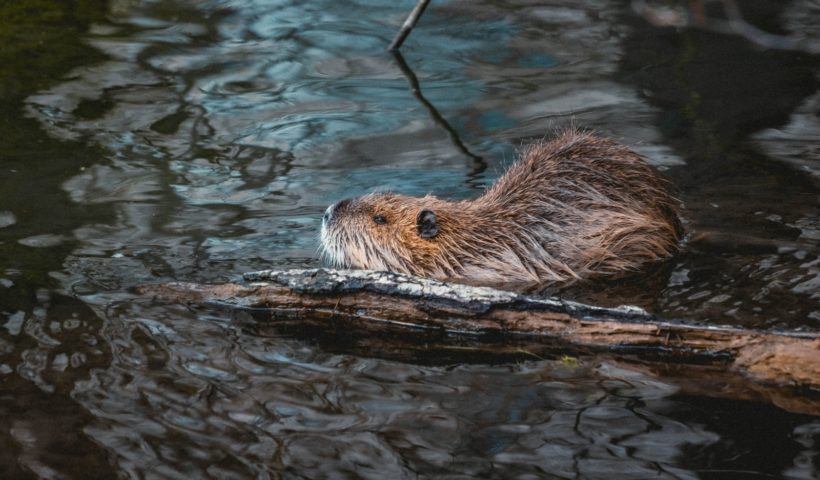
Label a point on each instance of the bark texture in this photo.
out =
(764, 362)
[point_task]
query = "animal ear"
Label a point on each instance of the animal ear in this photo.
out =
(426, 224)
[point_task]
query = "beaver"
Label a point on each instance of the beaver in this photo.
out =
(576, 207)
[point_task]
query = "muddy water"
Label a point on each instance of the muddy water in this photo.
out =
(210, 137)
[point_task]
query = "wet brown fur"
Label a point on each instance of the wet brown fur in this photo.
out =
(578, 206)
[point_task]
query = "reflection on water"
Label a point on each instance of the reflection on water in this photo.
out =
(213, 136)
(243, 127)
(252, 405)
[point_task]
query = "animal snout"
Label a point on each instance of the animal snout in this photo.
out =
(335, 208)
(328, 214)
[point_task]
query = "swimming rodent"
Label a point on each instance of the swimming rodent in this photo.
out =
(576, 207)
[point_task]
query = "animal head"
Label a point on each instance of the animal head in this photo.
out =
(380, 231)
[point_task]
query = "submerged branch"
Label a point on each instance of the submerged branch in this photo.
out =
(381, 302)
(480, 164)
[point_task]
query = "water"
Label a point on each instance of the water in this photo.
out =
(198, 141)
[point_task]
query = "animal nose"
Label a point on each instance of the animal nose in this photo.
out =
(336, 207)
(328, 214)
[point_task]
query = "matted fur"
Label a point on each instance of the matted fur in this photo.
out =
(575, 207)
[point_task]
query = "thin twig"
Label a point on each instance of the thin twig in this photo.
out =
(408, 25)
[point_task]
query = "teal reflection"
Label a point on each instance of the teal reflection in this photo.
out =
(537, 60)
(327, 72)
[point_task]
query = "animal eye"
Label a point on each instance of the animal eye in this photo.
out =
(379, 219)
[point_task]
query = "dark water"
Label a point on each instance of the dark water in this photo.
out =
(163, 140)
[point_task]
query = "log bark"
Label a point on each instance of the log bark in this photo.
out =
(380, 301)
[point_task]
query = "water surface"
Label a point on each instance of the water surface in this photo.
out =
(198, 141)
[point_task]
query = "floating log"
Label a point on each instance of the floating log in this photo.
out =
(380, 301)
